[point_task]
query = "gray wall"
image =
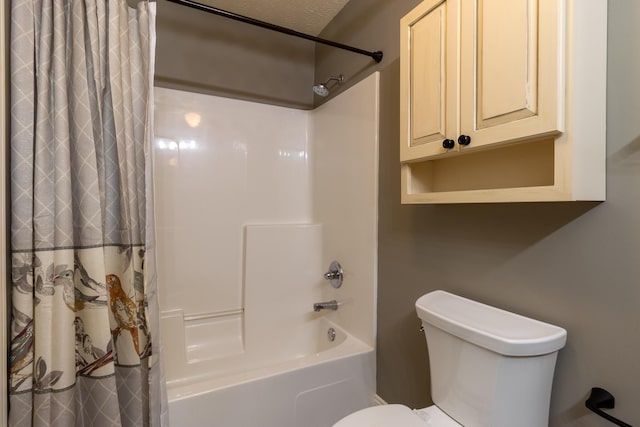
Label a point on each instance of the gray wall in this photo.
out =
(201, 52)
(573, 264)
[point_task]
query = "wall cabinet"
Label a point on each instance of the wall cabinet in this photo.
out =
(503, 100)
(430, 58)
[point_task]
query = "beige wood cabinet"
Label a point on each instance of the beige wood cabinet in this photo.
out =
(429, 85)
(503, 100)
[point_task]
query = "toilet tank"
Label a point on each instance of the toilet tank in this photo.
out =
(489, 367)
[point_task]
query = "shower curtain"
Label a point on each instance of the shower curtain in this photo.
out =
(84, 344)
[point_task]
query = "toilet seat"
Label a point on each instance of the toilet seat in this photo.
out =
(397, 416)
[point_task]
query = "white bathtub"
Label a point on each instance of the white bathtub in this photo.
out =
(312, 388)
(270, 363)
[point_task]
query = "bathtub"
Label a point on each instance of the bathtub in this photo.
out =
(312, 387)
(269, 362)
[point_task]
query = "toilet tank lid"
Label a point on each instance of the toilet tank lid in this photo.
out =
(498, 330)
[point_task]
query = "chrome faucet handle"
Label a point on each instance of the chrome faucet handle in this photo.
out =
(334, 275)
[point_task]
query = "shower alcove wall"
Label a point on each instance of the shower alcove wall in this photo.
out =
(253, 201)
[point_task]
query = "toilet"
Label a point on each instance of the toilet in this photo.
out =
(489, 368)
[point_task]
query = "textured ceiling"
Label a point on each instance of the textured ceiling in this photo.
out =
(306, 16)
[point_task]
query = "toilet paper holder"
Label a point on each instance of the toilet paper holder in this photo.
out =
(601, 398)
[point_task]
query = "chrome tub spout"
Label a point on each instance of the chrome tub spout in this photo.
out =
(328, 305)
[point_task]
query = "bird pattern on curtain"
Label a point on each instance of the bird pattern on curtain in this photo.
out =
(81, 106)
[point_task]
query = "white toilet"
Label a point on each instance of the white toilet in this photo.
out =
(489, 368)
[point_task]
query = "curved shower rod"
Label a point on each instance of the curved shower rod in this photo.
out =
(377, 55)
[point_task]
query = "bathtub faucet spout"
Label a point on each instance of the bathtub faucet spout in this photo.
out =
(329, 305)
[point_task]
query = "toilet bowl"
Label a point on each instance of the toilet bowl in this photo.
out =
(397, 416)
(489, 368)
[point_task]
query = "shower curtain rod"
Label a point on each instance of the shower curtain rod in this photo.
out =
(377, 55)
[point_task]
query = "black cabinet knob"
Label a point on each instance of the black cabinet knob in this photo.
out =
(464, 140)
(448, 144)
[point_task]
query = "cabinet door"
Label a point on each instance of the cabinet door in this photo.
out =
(512, 72)
(429, 79)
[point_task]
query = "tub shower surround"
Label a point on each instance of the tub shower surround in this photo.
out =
(247, 224)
